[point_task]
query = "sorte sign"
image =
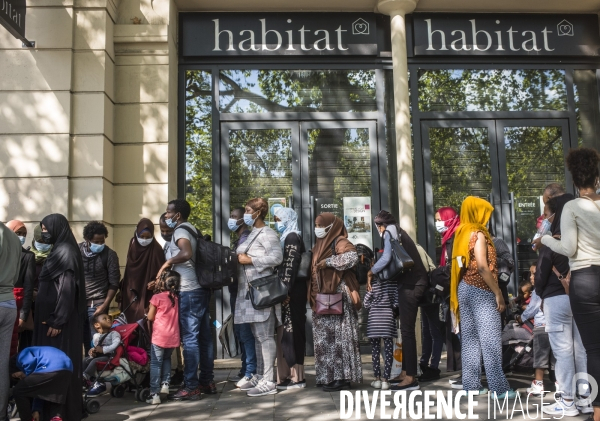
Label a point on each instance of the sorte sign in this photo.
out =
(505, 34)
(257, 34)
(12, 17)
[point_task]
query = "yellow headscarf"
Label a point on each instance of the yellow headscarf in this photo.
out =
(474, 215)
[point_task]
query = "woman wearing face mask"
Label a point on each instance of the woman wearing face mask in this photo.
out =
(337, 351)
(562, 331)
(411, 287)
(291, 336)
(23, 289)
(144, 258)
(60, 306)
(258, 256)
(447, 221)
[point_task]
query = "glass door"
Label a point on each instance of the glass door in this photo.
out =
(532, 155)
(340, 174)
(259, 160)
(508, 162)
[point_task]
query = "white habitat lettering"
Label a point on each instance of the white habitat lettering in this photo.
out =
(273, 40)
(482, 40)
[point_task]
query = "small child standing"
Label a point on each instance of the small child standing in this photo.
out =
(165, 332)
(380, 301)
(105, 342)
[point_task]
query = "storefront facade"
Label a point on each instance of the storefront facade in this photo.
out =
(349, 107)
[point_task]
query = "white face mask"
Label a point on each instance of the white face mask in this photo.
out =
(441, 227)
(322, 232)
(144, 241)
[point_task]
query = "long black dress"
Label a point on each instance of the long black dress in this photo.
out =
(60, 304)
(293, 341)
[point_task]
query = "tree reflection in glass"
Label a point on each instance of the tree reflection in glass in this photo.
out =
(261, 91)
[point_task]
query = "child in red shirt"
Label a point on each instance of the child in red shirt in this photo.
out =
(165, 332)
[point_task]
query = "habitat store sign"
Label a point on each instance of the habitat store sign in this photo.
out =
(505, 34)
(260, 34)
(12, 17)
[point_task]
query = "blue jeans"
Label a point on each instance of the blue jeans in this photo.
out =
(196, 335)
(246, 339)
(160, 367)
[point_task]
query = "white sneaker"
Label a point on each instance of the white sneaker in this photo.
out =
(584, 406)
(263, 388)
(250, 384)
(154, 399)
(561, 408)
(385, 385)
(243, 381)
(164, 388)
(376, 384)
(537, 388)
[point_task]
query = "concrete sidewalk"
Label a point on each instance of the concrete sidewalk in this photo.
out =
(293, 405)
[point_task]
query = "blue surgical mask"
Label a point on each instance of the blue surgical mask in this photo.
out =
(232, 224)
(248, 219)
(280, 226)
(22, 240)
(41, 246)
(96, 248)
(545, 227)
(170, 223)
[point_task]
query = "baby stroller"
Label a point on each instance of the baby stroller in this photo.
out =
(518, 356)
(121, 371)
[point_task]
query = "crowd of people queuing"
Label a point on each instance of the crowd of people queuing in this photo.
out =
(55, 295)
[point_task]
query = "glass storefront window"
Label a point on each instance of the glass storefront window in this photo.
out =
(264, 91)
(585, 86)
(492, 90)
(260, 165)
(198, 148)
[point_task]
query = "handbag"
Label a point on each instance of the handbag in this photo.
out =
(328, 303)
(267, 291)
(399, 262)
(303, 273)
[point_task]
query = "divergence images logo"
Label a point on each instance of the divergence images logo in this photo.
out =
(360, 27)
(565, 28)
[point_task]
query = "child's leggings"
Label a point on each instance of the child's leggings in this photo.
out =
(388, 344)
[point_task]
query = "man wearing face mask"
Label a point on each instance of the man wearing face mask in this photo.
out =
(194, 302)
(102, 274)
(242, 331)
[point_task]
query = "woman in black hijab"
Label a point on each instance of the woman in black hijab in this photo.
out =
(60, 304)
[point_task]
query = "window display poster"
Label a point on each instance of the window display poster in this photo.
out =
(358, 220)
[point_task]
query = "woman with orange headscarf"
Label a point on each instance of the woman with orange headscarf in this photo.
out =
(337, 351)
(23, 289)
(476, 301)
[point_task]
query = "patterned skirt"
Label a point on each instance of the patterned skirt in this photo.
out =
(337, 350)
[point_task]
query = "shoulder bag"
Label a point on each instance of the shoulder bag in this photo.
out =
(400, 261)
(267, 291)
(328, 303)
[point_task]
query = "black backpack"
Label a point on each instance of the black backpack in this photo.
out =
(216, 265)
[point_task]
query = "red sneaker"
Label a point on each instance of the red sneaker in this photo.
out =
(185, 394)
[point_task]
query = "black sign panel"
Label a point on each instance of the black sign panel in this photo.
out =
(261, 34)
(12, 17)
(505, 34)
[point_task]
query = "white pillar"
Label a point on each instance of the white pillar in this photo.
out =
(397, 10)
